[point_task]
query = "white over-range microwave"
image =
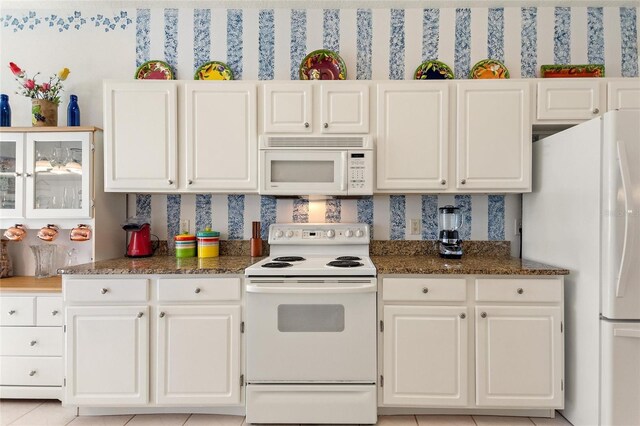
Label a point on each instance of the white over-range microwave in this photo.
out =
(316, 165)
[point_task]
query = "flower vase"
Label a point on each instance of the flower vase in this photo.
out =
(44, 113)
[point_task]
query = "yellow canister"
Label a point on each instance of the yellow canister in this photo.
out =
(208, 243)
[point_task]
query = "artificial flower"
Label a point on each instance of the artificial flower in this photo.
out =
(15, 69)
(30, 88)
(63, 73)
(44, 87)
(30, 84)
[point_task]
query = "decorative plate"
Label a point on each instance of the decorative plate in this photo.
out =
(154, 70)
(323, 65)
(213, 70)
(571, 71)
(489, 69)
(433, 70)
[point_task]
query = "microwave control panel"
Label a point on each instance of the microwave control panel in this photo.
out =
(360, 172)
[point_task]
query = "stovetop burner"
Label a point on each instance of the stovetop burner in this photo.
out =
(344, 263)
(348, 258)
(289, 259)
(276, 265)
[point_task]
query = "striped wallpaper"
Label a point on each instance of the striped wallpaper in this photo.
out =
(381, 44)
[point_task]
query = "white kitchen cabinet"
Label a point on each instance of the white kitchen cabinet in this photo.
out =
(198, 355)
(519, 356)
(570, 99)
(141, 135)
(493, 136)
(413, 137)
(221, 139)
(309, 107)
(12, 169)
(623, 94)
(425, 355)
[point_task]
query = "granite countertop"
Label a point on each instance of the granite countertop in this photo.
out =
(164, 265)
(468, 265)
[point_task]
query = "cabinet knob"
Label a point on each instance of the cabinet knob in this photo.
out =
(104, 291)
(161, 314)
(54, 313)
(463, 181)
(190, 182)
(140, 314)
(17, 174)
(28, 174)
(596, 110)
(520, 291)
(170, 182)
(306, 125)
(483, 315)
(32, 373)
(11, 312)
(326, 125)
(463, 315)
(443, 182)
(198, 290)
(33, 343)
(425, 290)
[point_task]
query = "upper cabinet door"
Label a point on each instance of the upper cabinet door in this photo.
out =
(413, 136)
(494, 136)
(344, 108)
(287, 108)
(12, 175)
(623, 95)
(141, 143)
(570, 99)
(221, 136)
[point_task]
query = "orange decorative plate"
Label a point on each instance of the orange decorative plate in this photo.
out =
(571, 71)
(489, 69)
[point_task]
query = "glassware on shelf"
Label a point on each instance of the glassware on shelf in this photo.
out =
(45, 255)
(74, 165)
(42, 163)
(59, 160)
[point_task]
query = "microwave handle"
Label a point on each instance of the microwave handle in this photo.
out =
(345, 171)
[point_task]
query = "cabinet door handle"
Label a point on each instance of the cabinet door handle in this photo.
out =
(28, 174)
(197, 290)
(520, 291)
(425, 290)
(162, 314)
(483, 315)
(54, 313)
(11, 312)
(140, 314)
(17, 174)
(170, 182)
(443, 182)
(32, 373)
(104, 291)
(190, 182)
(463, 315)
(306, 125)
(33, 343)
(463, 181)
(326, 125)
(596, 110)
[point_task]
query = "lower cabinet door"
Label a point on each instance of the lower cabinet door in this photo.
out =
(107, 355)
(519, 357)
(425, 356)
(198, 355)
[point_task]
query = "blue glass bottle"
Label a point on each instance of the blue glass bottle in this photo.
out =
(73, 112)
(5, 111)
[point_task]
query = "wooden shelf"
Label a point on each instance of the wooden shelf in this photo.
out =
(31, 284)
(50, 129)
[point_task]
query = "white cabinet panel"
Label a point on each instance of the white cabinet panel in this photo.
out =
(198, 355)
(519, 360)
(623, 95)
(221, 138)
(425, 355)
(413, 136)
(494, 136)
(344, 107)
(12, 175)
(107, 355)
(287, 108)
(570, 99)
(140, 133)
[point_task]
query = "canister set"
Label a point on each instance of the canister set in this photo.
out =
(206, 242)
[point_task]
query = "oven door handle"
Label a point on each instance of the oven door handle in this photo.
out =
(280, 289)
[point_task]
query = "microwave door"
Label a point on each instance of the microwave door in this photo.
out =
(304, 172)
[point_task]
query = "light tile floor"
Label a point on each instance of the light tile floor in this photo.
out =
(51, 413)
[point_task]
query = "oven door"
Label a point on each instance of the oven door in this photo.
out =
(303, 172)
(311, 330)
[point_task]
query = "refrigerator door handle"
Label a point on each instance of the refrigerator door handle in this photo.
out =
(630, 230)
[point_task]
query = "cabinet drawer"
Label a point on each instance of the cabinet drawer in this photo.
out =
(49, 311)
(17, 311)
(424, 289)
(519, 290)
(31, 341)
(198, 289)
(30, 371)
(109, 290)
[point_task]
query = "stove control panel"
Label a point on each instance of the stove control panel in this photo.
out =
(324, 233)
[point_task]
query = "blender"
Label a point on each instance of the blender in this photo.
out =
(449, 221)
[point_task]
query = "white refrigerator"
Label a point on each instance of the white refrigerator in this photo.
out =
(584, 215)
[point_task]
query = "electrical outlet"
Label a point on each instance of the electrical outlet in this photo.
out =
(517, 226)
(414, 227)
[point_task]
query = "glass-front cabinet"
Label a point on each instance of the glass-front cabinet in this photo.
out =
(45, 175)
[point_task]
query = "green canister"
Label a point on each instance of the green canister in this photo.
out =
(185, 245)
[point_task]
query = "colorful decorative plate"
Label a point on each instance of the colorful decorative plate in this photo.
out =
(489, 69)
(433, 70)
(571, 71)
(154, 70)
(213, 70)
(323, 65)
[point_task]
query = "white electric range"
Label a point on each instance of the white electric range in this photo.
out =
(311, 327)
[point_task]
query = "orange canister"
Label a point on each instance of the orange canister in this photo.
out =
(208, 243)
